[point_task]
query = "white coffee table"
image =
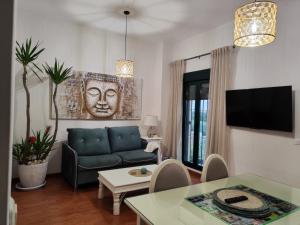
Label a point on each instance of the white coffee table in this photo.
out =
(119, 182)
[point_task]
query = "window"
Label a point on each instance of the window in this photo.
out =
(195, 106)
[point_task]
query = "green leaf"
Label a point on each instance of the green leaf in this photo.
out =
(41, 148)
(28, 46)
(57, 73)
(35, 73)
(36, 66)
(34, 56)
(27, 52)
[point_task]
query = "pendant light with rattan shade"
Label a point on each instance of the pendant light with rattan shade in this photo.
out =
(255, 24)
(124, 67)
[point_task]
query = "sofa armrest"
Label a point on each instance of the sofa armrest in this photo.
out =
(144, 143)
(69, 164)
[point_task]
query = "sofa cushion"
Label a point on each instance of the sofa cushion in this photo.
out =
(124, 138)
(88, 142)
(98, 162)
(136, 157)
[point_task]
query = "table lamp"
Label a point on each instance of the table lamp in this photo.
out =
(151, 122)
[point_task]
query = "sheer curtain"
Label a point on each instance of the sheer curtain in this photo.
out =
(217, 131)
(173, 133)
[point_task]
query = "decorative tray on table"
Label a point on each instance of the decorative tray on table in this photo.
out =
(140, 173)
(252, 206)
(258, 208)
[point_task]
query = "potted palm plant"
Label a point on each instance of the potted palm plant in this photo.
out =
(26, 54)
(57, 74)
(25, 152)
(33, 151)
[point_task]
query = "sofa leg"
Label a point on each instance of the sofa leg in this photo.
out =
(75, 185)
(76, 181)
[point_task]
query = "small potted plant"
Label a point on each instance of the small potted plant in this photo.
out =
(32, 158)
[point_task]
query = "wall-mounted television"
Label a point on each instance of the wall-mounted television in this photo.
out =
(268, 108)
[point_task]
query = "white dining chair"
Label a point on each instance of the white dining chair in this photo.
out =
(214, 168)
(168, 175)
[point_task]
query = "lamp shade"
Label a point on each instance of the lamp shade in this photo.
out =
(124, 68)
(151, 121)
(255, 24)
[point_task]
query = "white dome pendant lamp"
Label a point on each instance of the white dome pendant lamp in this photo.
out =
(124, 67)
(255, 24)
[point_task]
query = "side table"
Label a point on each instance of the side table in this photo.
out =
(158, 140)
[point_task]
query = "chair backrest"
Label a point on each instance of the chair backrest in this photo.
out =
(168, 175)
(214, 168)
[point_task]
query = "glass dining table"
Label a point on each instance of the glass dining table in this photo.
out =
(172, 208)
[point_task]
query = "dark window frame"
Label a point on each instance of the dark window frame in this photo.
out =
(201, 76)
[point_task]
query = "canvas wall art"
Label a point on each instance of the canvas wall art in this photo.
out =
(95, 96)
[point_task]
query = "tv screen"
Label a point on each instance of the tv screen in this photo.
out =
(261, 108)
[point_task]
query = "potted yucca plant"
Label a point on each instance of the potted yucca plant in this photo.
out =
(57, 74)
(33, 151)
(26, 54)
(30, 164)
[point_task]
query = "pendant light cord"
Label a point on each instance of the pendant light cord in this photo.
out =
(126, 39)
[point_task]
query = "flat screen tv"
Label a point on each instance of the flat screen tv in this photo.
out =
(261, 108)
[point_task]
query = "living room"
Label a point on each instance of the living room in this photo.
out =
(193, 41)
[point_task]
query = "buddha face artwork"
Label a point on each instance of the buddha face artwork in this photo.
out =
(101, 98)
(95, 96)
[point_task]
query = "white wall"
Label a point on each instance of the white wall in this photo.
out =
(85, 49)
(270, 154)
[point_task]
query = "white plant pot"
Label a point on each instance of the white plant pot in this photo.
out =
(32, 175)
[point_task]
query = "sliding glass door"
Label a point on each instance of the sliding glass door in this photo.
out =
(195, 106)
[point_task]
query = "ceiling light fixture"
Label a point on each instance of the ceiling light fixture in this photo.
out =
(255, 24)
(124, 67)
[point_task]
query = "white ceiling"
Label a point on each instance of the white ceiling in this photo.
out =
(164, 19)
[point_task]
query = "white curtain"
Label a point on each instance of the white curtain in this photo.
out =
(217, 130)
(173, 133)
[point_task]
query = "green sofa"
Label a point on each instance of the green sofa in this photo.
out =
(89, 150)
